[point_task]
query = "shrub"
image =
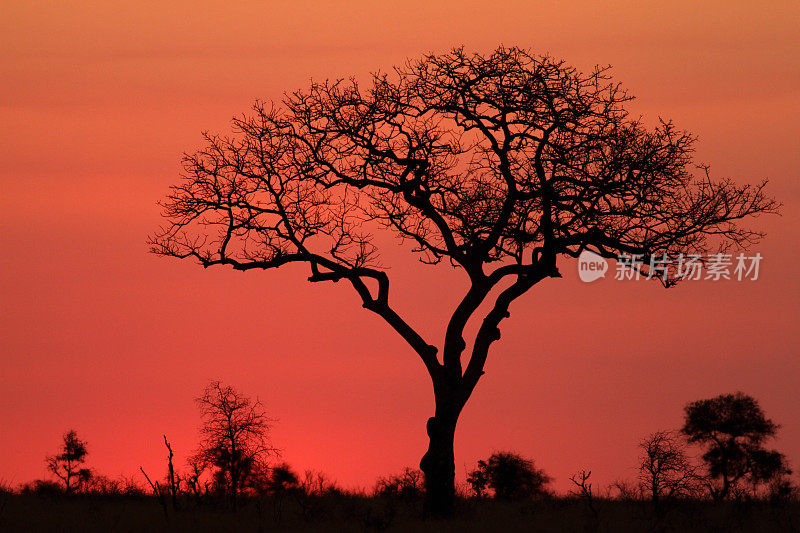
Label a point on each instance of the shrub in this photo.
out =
(510, 477)
(407, 484)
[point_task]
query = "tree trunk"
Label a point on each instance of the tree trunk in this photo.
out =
(234, 488)
(438, 463)
(726, 486)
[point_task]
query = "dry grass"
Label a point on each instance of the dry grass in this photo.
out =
(357, 513)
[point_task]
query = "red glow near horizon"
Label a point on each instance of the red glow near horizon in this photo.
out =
(98, 103)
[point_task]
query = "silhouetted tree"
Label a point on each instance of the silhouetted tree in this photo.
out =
(497, 164)
(584, 491)
(733, 429)
(510, 476)
(68, 465)
(234, 437)
(666, 472)
(281, 482)
(193, 479)
(173, 479)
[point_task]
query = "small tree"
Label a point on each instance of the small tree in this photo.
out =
(665, 471)
(733, 428)
(510, 476)
(197, 467)
(67, 466)
(584, 491)
(234, 438)
(280, 482)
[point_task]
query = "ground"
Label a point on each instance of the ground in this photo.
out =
(356, 513)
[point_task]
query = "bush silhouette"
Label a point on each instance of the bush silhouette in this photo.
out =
(407, 484)
(510, 476)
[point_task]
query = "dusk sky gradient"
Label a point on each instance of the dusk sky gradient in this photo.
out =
(99, 99)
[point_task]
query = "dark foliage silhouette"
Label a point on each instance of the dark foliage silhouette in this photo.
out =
(67, 465)
(478, 480)
(193, 478)
(733, 430)
(498, 164)
(509, 476)
(282, 480)
(234, 443)
(408, 484)
(42, 487)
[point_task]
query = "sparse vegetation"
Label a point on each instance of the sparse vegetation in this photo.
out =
(674, 491)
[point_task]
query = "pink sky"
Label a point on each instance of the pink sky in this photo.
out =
(97, 104)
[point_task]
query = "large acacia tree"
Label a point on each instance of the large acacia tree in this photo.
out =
(498, 164)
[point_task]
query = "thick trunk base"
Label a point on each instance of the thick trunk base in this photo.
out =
(438, 465)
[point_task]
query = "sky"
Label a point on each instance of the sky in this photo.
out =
(98, 100)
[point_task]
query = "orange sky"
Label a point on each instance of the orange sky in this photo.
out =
(97, 102)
